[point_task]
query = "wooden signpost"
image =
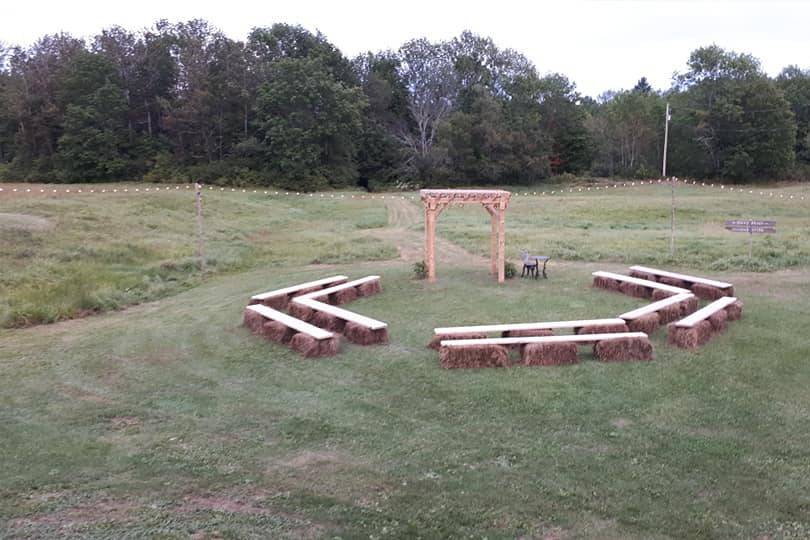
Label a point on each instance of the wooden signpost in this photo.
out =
(752, 227)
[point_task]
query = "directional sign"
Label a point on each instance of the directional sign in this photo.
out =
(751, 226)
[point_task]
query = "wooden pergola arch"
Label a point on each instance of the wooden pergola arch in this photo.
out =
(494, 202)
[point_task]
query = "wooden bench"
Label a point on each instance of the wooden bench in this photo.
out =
(280, 297)
(648, 318)
(346, 292)
(526, 329)
(356, 328)
(544, 350)
(699, 327)
(640, 288)
(708, 289)
(303, 337)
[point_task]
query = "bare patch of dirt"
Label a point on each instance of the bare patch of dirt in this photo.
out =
(25, 222)
(71, 518)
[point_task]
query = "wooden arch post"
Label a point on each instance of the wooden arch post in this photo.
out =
(494, 202)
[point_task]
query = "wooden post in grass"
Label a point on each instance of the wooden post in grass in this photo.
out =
(672, 220)
(200, 231)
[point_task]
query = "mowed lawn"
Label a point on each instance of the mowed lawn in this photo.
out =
(168, 419)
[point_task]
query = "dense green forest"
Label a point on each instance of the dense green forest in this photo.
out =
(284, 107)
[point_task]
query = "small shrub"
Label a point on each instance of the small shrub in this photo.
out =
(509, 270)
(420, 270)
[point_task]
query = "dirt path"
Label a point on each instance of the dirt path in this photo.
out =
(403, 215)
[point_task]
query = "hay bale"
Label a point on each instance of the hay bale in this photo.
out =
(525, 333)
(474, 356)
(623, 350)
(637, 291)
(435, 343)
(253, 321)
(707, 292)
(643, 275)
(277, 302)
(540, 332)
(312, 348)
(606, 283)
(648, 323)
(670, 313)
(369, 288)
(549, 354)
(276, 331)
(718, 321)
(690, 338)
(252, 302)
(327, 321)
(602, 329)
(343, 296)
(660, 294)
(298, 311)
(689, 306)
(675, 282)
(734, 311)
(362, 335)
(310, 290)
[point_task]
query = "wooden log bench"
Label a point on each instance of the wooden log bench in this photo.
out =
(707, 289)
(539, 329)
(356, 328)
(648, 318)
(301, 336)
(699, 327)
(280, 298)
(633, 286)
(349, 291)
(544, 350)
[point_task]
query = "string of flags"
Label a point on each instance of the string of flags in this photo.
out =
(390, 196)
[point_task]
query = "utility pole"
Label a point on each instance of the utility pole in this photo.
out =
(200, 231)
(666, 140)
(667, 118)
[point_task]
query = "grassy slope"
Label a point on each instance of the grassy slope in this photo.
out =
(169, 418)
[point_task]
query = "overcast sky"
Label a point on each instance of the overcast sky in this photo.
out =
(599, 45)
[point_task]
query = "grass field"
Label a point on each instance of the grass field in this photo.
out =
(168, 419)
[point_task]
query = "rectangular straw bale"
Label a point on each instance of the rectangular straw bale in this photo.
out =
(623, 350)
(690, 338)
(369, 288)
(549, 354)
(277, 302)
(362, 335)
(606, 283)
(602, 329)
(675, 282)
(734, 311)
(707, 292)
(539, 332)
(718, 321)
(474, 356)
(343, 296)
(643, 275)
(253, 320)
(637, 291)
(299, 311)
(660, 294)
(327, 321)
(435, 342)
(648, 323)
(312, 348)
(278, 332)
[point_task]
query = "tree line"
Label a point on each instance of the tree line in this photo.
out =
(284, 107)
